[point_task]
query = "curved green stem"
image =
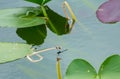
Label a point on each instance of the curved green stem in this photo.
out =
(45, 14)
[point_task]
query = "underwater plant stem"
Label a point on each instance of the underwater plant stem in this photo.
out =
(58, 68)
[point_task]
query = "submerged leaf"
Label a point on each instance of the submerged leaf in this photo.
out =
(13, 51)
(109, 12)
(110, 69)
(20, 17)
(40, 2)
(80, 69)
(33, 35)
(57, 23)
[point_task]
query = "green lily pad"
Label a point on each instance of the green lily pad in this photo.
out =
(110, 69)
(80, 69)
(20, 17)
(13, 51)
(33, 35)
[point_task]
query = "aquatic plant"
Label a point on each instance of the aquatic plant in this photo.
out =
(81, 69)
(36, 20)
(31, 21)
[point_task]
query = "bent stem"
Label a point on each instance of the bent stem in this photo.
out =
(65, 4)
(40, 51)
(74, 19)
(58, 68)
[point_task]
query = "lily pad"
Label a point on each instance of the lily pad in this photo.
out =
(109, 12)
(110, 69)
(80, 69)
(13, 51)
(21, 17)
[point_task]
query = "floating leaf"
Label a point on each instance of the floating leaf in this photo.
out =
(13, 51)
(40, 2)
(109, 12)
(80, 69)
(33, 35)
(110, 69)
(20, 17)
(57, 23)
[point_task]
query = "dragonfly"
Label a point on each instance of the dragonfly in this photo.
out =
(58, 64)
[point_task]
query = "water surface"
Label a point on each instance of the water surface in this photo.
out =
(90, 40)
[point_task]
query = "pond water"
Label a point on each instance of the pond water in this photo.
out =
(89, 39)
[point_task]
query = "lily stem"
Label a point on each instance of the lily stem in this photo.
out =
(58, 68)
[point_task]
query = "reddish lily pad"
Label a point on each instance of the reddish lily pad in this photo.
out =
(109, 12)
